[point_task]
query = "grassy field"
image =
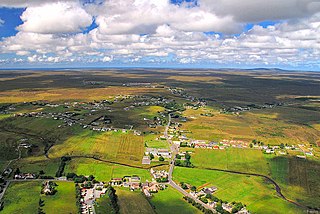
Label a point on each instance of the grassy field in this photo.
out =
(255, 192)
(298, 178)
(243, 160)
(64, 201)
(133, 202)
(22, 197)
(62, 94)
(49, 167)
(170, 201)
(274, 126)
(151, 141)
(103, 205)
(115, 146)
(104, 171)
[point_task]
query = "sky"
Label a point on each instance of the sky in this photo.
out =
(160, 33)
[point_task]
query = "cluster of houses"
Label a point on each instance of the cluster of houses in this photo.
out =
(131, 182)
(212, 203)
(89, 195)
(25, 176)
(159, 175)
(204, 192)
(156, 153)
(238, 109)
(181, 92)
(134, 183)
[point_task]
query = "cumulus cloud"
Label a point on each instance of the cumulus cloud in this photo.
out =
(260, 10)
(57, 17)
(1, 22)
(156, 31)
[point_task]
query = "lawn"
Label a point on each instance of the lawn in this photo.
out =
(112, 146)
(22, 197)
(133, 202)
(104, 171)
(255, 192)
(170, 201)
(243, 160)
(64, 201)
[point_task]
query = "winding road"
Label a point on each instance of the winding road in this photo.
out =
(174, 150)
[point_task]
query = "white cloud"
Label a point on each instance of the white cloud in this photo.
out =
(156, 31)
(1, 22)
(58, 17)
(261, 10)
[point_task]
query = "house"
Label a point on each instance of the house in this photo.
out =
(146, 160)
(134, 186)
(135, 179)
(116, 182)
(210, 190)
(164, 153)
(177, 143)
(227, 207)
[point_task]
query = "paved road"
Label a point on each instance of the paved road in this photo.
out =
(4, 190)
(174, 150)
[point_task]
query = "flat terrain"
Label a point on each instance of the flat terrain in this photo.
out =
(255, 192)
(64, 201)
(116, 146)
(104, 171)
(170, 201)
(133, 202)
(273, 127)
(59, 110)
(22, 197)
(243, 160)
(103, 205)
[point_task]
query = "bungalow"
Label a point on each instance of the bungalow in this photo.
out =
(210, 190)
(146, 160)
(227, 207)
(116, 182)
(134, 186)
(164, 153)
(177, 143)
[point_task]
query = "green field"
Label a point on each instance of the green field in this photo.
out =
(49, 167)
(298, 178)
(103, 205)
(104, 171)
(133, 202)
(243, 160)
(113, 146)
(170, 201)
(22, 197)
(255, 192)
(64, 201)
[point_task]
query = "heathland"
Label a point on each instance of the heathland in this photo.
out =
(104, 120)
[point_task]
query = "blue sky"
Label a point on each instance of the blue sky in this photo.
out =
(160, 33)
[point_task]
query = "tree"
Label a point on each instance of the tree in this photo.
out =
(193, 188)
(91, 177)
(178, 156)
(17, 172)
(161, 158)
(151, 156)
(282, 146)
(251, 145)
